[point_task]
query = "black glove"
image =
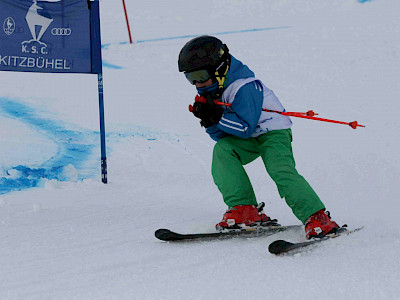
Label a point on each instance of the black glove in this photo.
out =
(208, 113)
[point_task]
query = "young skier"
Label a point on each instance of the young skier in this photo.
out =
(244, 132)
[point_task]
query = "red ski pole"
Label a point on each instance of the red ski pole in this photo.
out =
(307, 115)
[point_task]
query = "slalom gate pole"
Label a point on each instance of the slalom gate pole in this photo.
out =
(305, 115)
(127, 21)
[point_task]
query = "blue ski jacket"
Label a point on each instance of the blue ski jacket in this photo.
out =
(247, 96)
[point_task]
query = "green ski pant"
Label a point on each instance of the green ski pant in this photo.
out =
(275, 149)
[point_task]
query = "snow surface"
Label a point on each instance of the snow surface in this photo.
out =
(72, 237)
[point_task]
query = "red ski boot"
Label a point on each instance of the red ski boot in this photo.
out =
(320, 224)
(241, 216)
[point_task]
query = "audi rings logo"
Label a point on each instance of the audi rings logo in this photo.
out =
(9, 26)
(61, 31)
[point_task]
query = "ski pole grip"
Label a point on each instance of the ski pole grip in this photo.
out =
(200, 99)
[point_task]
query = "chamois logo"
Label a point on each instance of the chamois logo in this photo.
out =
(38, 25)
(9, 26)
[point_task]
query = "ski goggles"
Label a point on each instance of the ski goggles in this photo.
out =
(199, 76)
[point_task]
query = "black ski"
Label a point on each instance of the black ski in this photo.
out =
(171, 236)
(280, 246)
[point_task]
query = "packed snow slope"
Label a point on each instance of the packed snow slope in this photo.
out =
(65, 235)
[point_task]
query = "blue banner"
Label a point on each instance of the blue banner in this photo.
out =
(52, 36)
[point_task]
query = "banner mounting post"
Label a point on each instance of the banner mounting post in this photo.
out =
(98, 69)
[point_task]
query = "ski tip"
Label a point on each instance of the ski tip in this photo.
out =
(278, 246)
(160, 233)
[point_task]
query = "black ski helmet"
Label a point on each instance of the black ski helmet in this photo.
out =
(203, 52)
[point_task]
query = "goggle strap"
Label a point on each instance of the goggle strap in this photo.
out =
(221, 78)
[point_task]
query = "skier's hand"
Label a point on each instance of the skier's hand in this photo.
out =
(209, 114)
